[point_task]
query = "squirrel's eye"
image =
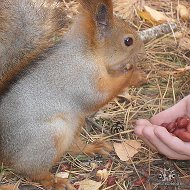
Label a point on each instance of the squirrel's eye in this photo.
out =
(128, 41)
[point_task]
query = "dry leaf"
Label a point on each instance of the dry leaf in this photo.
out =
(88, 185)
(147, 17)
(178, 35)
(102, 174)
(126, 8)
(126, 149)
(184, 43)
(156, 16)
(183, 12)
(140, 182)
(93, 165)
(111, 181)
(64, 175)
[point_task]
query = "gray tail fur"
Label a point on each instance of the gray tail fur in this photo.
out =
(25, 25)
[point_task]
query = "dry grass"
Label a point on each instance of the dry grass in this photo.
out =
(168, 82)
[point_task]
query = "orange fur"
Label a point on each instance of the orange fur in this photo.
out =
(8, 187)
(115, 85)
(48, 180)
(58, 140)
(59, 137)
(98, 146)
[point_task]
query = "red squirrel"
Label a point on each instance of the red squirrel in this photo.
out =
(51, 81)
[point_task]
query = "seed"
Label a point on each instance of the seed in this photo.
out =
(177, 131)
(111, 181)
(182, 122)
(184, 136)
(171, 127)
(164, 125)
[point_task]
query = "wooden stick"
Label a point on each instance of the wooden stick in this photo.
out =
(157, 31)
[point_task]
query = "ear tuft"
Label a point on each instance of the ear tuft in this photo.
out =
(102, 15)
(100, 10)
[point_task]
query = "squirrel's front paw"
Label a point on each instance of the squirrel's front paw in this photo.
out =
(98, 147)
(138, 78)
(63, 184)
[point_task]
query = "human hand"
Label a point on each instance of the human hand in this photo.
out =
(159, 138)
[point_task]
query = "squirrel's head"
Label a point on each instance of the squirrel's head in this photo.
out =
(111, 39)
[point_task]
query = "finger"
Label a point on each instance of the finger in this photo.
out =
(172, 142)
(138, 131)
(171, 114)
(160, 146)
(142, 122)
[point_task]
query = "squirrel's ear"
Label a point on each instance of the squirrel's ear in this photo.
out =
(101, 11)
(104, 13)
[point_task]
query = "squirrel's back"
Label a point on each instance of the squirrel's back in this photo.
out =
(26, 28)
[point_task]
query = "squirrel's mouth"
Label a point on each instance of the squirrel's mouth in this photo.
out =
(121, 67)
(128, 67)
(125, 67)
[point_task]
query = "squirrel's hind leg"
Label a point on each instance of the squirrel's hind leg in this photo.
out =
(42, 149)
(97, 147)
(51, 182)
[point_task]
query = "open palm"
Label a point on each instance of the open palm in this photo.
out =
(159, 138)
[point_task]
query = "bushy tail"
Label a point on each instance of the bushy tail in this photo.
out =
(26, 28)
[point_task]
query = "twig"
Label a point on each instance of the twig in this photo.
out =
(90, 120)
(157, 31)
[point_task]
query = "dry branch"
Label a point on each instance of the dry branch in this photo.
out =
(157, 31)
